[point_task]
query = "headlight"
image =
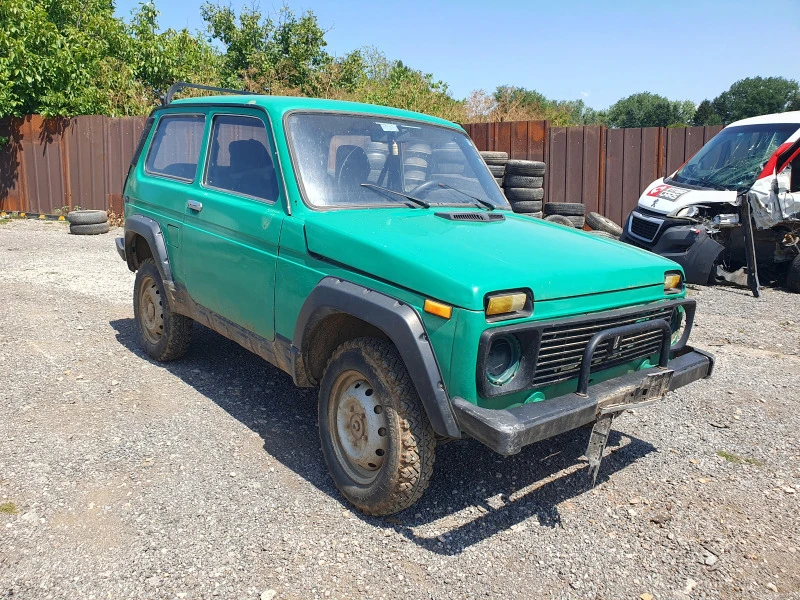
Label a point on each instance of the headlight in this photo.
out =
(673, 282)
(503, 360)
(688, 212)
(508, 305)
(677, 324)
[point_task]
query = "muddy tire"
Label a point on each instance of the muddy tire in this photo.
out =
(793, 276)
(599, 222)
(376, 438)
(163, 334)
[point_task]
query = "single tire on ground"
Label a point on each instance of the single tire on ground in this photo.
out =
(491, 157)
(163, 334)
(567, 209)
(87, 217)
(599, 222)
(534, 206)
(793, 276)
(376, 438)
(523, 194)
(531, 168)
(523, 181)
(92, 229)
(605, 234)
(559, 220)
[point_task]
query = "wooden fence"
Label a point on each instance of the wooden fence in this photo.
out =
(50, 163)
(605, 169)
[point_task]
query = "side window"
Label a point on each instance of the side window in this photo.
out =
(239, 159)
(176, 147)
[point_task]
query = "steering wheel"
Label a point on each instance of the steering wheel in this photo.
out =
(425, 188)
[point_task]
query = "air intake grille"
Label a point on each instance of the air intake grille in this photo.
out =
(643, 228)
(471, 216)
(562, 345)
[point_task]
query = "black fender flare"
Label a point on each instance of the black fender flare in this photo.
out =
(402, 325)
(150, 230)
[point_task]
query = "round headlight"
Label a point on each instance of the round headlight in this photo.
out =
(503, 360)
(677, 324)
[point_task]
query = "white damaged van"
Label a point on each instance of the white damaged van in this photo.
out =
(733, 209)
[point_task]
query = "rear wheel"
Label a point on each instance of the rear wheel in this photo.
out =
(376, 438)
(163, 334)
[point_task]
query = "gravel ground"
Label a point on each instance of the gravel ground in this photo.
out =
(122, 478)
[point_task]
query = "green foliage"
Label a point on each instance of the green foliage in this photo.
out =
(517, 103)
(755, 96)
(650, 110)
(706, 115)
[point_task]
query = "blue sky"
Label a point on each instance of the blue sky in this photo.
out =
(598, 51)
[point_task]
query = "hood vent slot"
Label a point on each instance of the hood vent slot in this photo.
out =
(471, 216)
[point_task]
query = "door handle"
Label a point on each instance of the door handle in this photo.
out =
(194, 205)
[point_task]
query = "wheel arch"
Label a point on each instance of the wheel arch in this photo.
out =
(328, 317)
(144, 239)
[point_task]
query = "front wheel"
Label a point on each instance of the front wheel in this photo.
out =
(376, 438)
(163, 334)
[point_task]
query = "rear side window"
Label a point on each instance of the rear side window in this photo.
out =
(176, 147)
(239, 158)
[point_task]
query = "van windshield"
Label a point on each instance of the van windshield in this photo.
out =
(733, 159)
(346, 160)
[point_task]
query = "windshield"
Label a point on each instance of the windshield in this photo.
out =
(351, 160)
(734, 157)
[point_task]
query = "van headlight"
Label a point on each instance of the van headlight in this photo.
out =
(688, 212)
(502, 362)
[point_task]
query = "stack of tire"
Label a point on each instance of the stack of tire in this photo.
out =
(496, 161)
(523, 186)
(416, 159)
(87, 222)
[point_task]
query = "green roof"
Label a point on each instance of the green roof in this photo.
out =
(280, 105)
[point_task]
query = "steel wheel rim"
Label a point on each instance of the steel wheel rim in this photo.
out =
(151, 311)
(357, 422)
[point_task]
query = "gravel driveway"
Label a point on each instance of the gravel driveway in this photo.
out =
(123, 478)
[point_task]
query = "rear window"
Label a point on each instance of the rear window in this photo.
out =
(176, 147)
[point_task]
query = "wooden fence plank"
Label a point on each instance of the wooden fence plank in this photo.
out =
(537, 138)
(694, 141)
(519, 140)
(676, 149)
(631, 170)
(615, 154)
(557, 171)
(573, 180)
(590, 192)
(649, 157)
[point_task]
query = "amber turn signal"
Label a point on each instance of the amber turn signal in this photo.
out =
(437, 308)
(673, 283)
(508, 303)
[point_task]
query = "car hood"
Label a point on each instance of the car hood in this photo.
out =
(460, 262)
(668, 199)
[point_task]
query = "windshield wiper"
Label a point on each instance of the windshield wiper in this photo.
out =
(380, 189)
(484, 203)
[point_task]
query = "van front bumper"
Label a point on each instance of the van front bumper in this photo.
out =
(507, 431)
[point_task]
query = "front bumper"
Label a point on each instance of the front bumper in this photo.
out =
(687, 244)
(507, 431)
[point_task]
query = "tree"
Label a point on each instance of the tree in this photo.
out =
(650, 110)
(755, 96)
(706, 115)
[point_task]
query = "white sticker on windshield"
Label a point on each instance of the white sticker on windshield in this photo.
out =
(389, 127)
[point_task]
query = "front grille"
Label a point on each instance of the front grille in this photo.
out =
(562, 345)
(644, 228)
